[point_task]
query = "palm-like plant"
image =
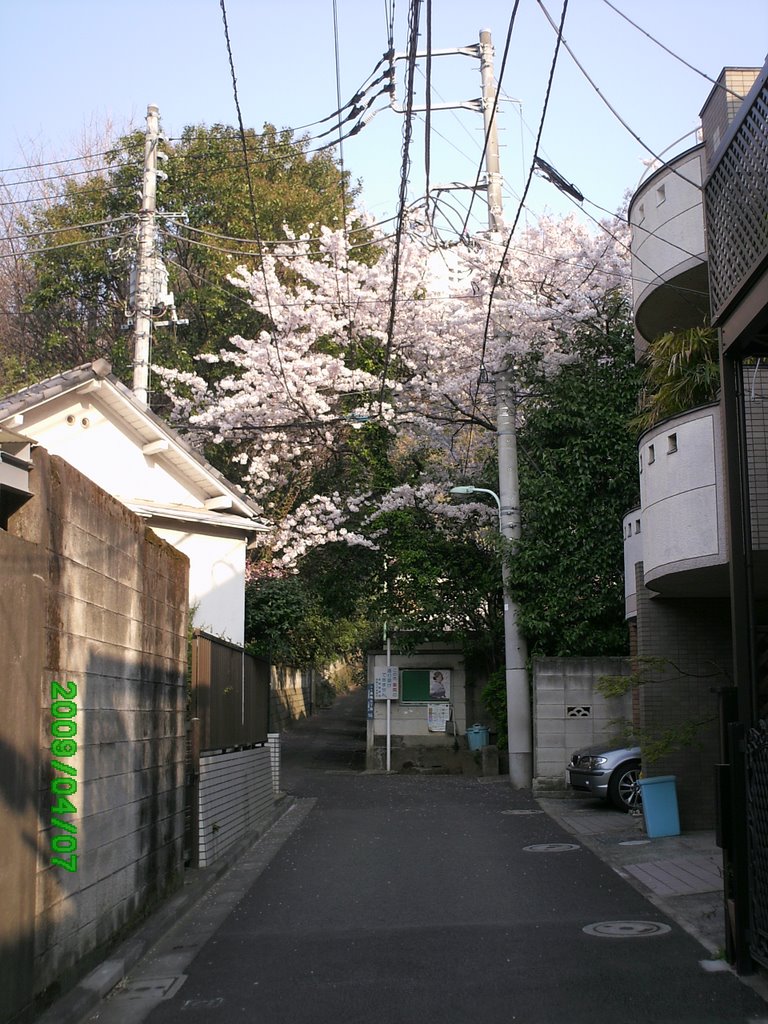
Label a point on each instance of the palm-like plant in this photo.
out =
(681, 369)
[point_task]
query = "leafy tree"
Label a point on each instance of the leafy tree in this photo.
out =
(577, 479)
(287, 401)
(681, 369)
(65, 296)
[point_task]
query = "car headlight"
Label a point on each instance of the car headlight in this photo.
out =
(593, 762)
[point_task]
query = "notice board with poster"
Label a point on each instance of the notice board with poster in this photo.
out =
(425, 685)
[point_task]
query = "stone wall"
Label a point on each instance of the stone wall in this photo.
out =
(113, 628)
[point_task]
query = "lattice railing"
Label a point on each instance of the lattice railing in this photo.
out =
(737, 207)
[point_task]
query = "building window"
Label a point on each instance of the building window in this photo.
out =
(651, 454)
(661, 195)
(641, 213)
(637, 526)
(671, 444)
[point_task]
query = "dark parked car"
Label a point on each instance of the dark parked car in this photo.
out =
(609, 772)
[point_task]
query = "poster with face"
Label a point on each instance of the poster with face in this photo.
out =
(439, 684)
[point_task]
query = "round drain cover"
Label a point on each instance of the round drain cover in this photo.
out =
(550, 848)
(626, 929)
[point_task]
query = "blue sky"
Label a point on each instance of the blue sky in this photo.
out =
(69, 65)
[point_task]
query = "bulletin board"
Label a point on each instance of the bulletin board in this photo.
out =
(425, 685)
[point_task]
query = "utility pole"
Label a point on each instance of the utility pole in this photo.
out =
(519, 734)
(519, 737)
(491, 133)
(144, 300)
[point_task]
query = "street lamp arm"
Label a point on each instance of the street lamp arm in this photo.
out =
(477, 490)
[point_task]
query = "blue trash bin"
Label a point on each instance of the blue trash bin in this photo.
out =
(477, 736)
(660, 806)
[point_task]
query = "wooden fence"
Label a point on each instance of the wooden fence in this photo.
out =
(228, 716)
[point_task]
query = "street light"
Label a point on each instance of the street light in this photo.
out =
(519, 742)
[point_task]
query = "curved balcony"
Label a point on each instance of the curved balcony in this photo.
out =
(633, 553)
(669, 263)
(682, 497)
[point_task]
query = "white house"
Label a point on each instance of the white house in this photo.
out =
(89, 418)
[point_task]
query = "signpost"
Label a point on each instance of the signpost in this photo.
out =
(386, 686)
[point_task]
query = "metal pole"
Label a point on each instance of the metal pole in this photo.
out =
(389, 710)
(515, 647)
(144, 261)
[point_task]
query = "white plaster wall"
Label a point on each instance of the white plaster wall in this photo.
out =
(668, 233)
(106, 453)
(681, 492)
(216, 580)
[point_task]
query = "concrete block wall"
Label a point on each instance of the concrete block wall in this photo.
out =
(115, 624)
(236, 790)
(291, 699)
(569, 712)
(693, 636)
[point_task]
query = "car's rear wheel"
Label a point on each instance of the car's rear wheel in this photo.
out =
(623, 791)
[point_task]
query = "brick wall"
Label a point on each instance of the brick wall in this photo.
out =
(114, 623)
(693, 637)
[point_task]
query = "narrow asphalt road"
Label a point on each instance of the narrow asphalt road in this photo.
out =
(423, 900)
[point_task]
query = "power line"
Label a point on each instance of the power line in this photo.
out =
(510, 29)
(57, 177)
(671, 52)
(56, 163)
(254, 215)
(68, 227)
(413, 40)
(497, 276)
(612, 109)
(63, 245)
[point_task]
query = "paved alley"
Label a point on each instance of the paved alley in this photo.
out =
(420, 900)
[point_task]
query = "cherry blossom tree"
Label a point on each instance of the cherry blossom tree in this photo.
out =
(289, 400)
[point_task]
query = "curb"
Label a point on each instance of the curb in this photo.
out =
(72, 1007)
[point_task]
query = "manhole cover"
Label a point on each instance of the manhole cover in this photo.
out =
(551, 848)
(522, 812)
(626, 929)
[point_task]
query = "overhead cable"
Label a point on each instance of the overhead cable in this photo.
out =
(677, 56)
(486, 139)
(413, 41)
(612, 109)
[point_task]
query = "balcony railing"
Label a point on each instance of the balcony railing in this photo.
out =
(736, 199)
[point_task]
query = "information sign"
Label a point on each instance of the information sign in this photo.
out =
(386, 683)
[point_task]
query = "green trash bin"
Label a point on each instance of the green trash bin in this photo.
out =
(660, 806)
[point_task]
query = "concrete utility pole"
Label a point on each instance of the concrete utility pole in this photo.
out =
(489, 118)
(519, 737)
(142, 318)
